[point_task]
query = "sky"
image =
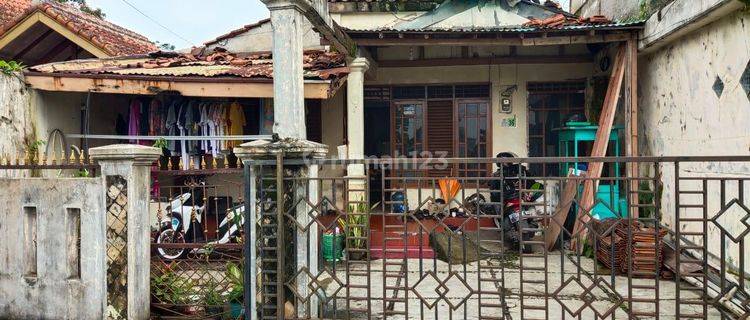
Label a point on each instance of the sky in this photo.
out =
(192, 22)
(185, 23)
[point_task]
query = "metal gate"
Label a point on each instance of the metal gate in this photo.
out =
(400, 243)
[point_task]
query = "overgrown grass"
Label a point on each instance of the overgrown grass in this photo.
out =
(9, 67)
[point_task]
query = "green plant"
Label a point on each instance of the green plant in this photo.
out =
(212, 297)
(235, 275)
(83, 173)
(160, 143)
(8, 67)
(170, 288)
(354, 225)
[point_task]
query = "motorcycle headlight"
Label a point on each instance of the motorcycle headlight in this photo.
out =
(175, 223)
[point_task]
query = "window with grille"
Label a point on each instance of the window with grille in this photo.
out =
(473, 119)
(550, 106)
(438, 119)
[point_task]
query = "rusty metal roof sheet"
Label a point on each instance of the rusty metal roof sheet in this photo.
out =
(317, 64)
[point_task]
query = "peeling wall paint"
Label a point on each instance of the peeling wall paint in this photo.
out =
(16, 128)
(680, 114)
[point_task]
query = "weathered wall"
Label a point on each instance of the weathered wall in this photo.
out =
(620, 9)
(16, 127)
(680, 114)
(260, 38)
(43, 275)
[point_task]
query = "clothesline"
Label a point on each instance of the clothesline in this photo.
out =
(168, 138)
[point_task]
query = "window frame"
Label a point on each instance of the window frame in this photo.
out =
(568, 88)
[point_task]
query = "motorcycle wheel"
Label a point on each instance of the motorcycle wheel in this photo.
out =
(512, 233)
(169, 236)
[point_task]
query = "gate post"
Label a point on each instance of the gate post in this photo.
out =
(127, 179)
(305, 250)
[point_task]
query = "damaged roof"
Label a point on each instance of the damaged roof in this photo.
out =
(109, 37)
(317, 64)
(512, 16)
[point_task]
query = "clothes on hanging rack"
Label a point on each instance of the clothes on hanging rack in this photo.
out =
(188, 117)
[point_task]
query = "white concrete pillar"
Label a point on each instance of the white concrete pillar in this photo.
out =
(126, 170)
(355, 114)
(305, 250)
(288, 24)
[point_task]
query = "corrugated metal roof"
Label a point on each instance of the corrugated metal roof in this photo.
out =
(317, 65)
(508, 29)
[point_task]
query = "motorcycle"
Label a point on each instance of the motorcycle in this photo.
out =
(175, 230)
(518, 222)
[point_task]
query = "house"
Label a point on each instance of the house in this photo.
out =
(427, 73)
(41, 31)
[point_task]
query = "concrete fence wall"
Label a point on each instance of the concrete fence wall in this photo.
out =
(78, 248)
(52, 256)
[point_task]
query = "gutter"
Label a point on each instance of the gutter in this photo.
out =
(681, 17)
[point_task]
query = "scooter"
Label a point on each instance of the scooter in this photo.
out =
(174, 229)
(518, 223)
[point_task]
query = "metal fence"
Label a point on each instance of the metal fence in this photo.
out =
(398, 243)
(196, 265)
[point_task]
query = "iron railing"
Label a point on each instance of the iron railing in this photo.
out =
(196, 272)
(675, 248)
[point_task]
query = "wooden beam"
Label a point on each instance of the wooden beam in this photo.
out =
(606, 121)
(151, 86)
(485, 61)
(557, 222)
(33, 44)
(55, 51)
(515, 41)
(328, 28)
(632, 125)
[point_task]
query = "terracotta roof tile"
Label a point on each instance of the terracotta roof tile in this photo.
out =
(317, 64)
(109, 37)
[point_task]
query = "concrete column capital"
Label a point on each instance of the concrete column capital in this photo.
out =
(139, 155)
(274, 5)
(292, 149)
(359, 64)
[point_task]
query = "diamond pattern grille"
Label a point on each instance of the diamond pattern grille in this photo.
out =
(117, 242)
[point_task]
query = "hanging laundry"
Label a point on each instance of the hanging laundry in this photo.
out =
(235, 123)
(134, 119)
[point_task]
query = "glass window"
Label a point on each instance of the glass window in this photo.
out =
(550, 106)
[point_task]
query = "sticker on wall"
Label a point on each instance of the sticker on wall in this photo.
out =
(508, 122)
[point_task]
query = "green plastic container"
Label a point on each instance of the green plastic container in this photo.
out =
(333, 247)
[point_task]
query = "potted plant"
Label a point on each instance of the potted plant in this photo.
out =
(172, 292)
(214, 302)
(164, 158)
(354, 225)
(235, 275)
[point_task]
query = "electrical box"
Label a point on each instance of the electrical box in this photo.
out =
(506, 104)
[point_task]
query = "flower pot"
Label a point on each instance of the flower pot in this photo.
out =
(232, 160)
(236, 310)
(175, 162)
(216, 312)
(163, 163)
(357, 256)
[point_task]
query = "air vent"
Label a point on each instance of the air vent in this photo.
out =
(718, 87)
(409, 92)
(473, 91)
